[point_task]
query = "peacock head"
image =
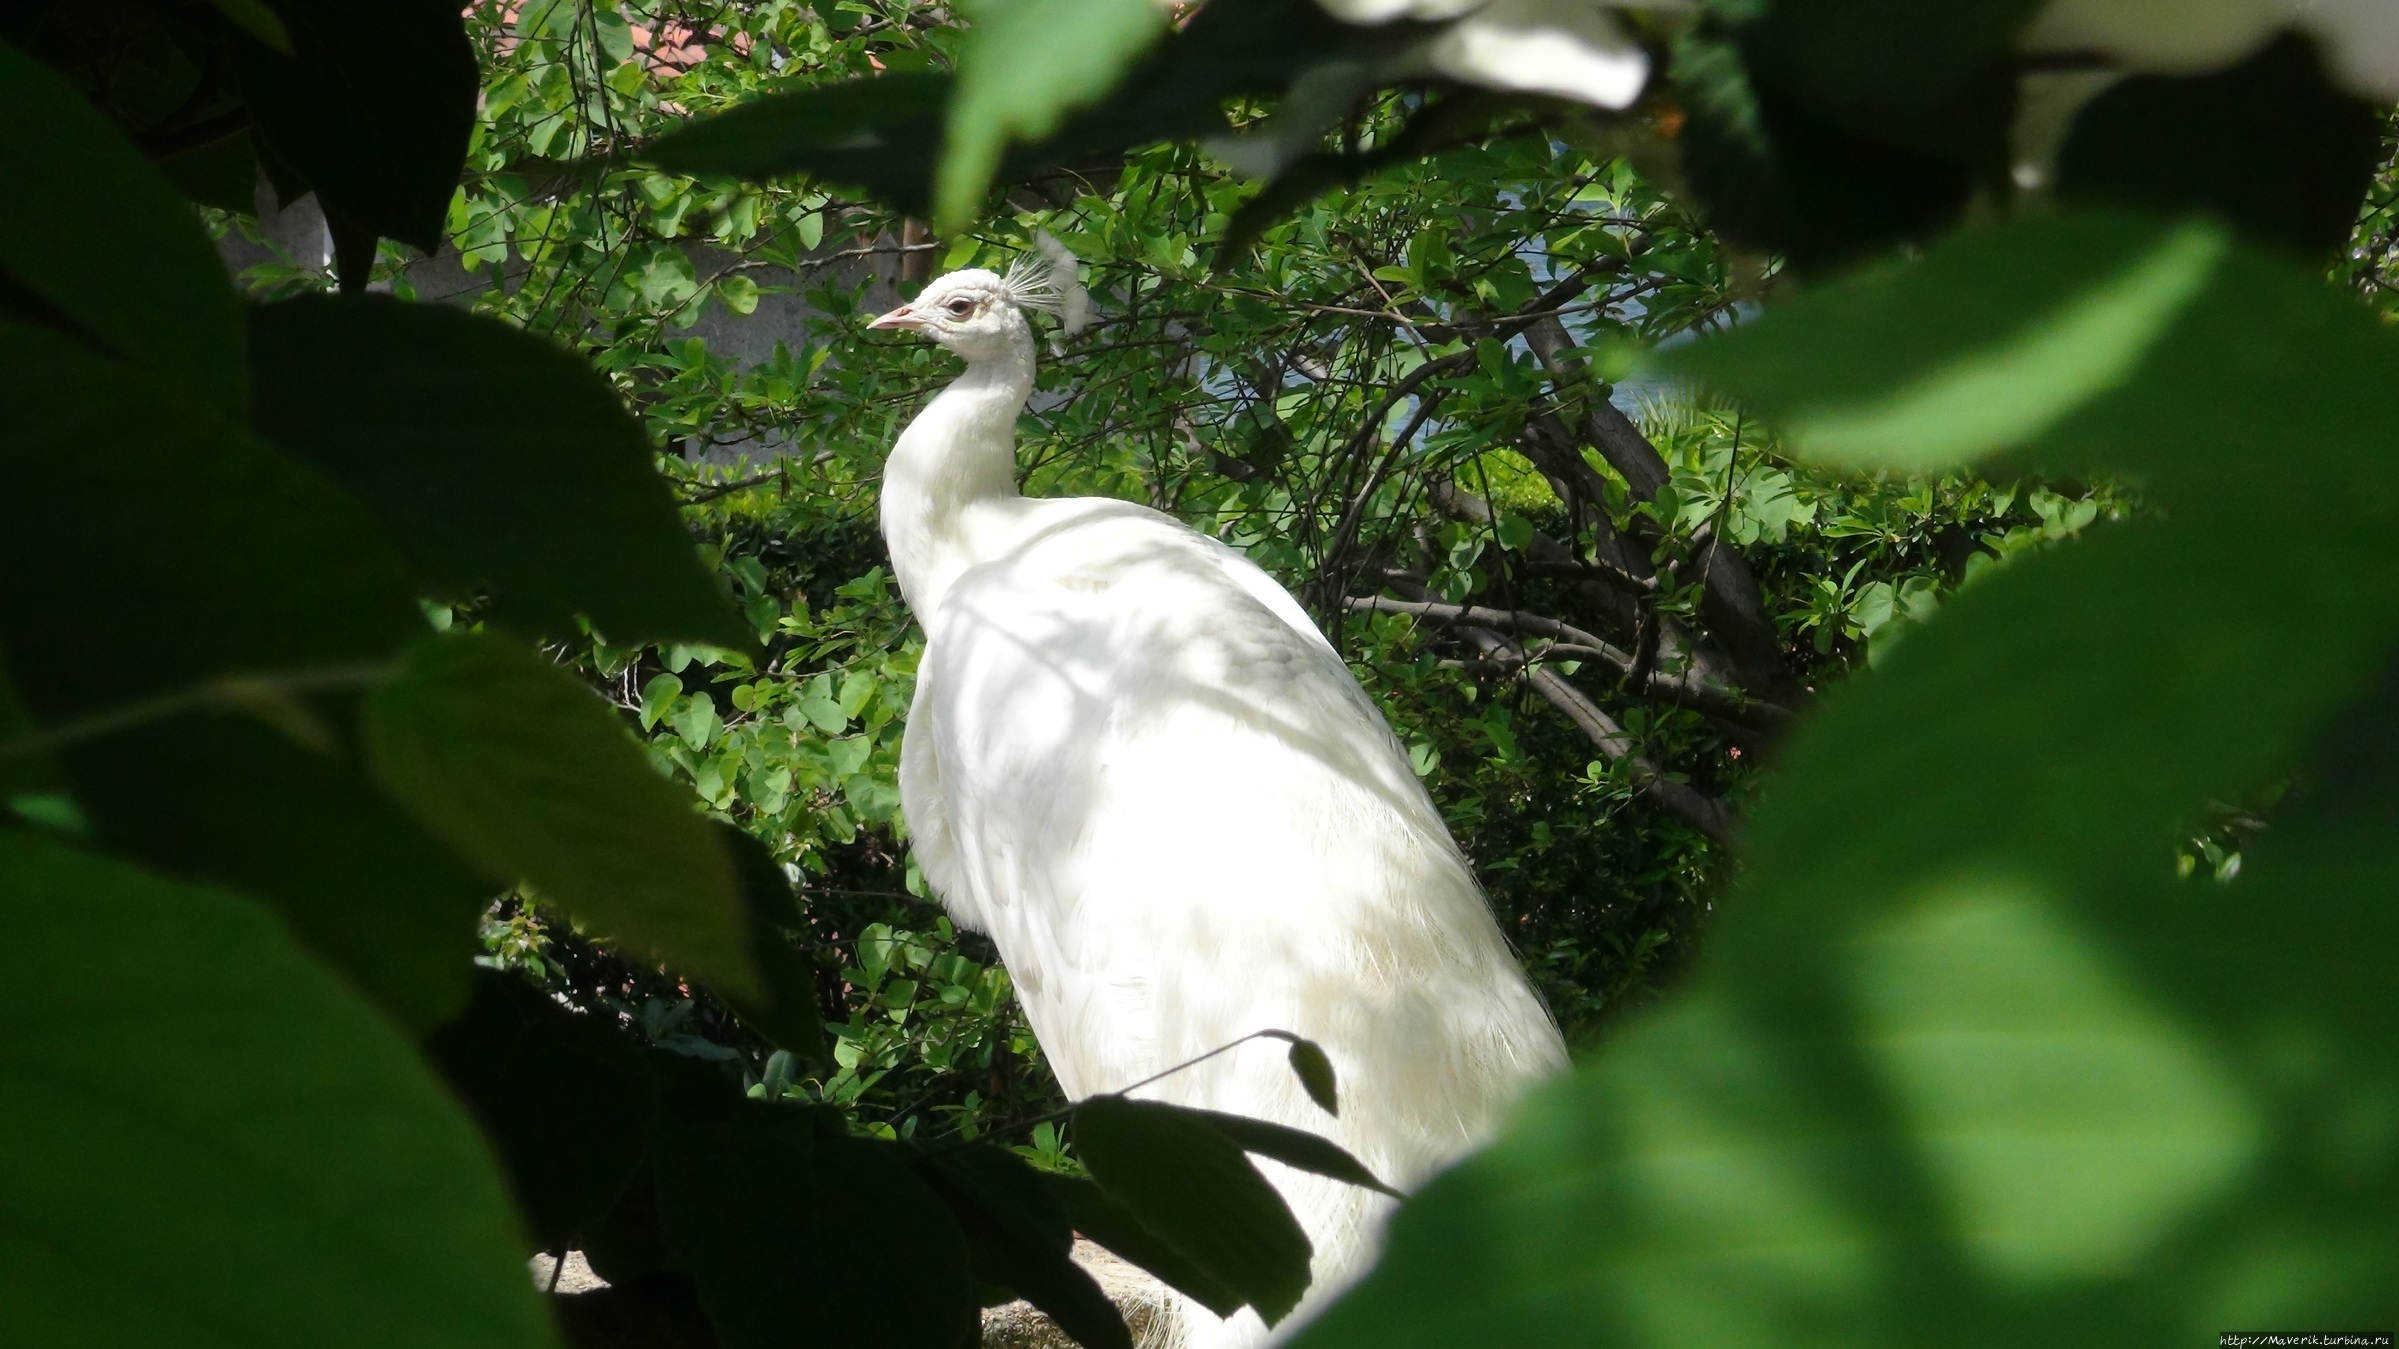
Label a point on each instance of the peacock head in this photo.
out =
(983, 315)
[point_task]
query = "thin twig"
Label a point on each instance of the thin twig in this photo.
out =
(227, 693)
(715, 490)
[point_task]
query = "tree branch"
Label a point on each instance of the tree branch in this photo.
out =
(1617, 590)
(1741, 714)
(1731, 599)
(1613, 742)
(1509, 619)
(715, 490)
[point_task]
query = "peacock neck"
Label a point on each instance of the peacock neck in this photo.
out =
(959, 453)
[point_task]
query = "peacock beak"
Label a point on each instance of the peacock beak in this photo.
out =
(903, 317)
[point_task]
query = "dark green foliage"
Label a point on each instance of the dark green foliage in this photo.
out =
(879, 133)
(148, 289)
(1934, 79)
(220, 798)
(885, 133)
(371, 110)
(1101, 1217)
(785, 1007)
(187, 509)
(495, 460)
(787, 1226)
(2267, 145)
(1776, 173)
(183, 506)
(566, 1101)
(1019, 1236)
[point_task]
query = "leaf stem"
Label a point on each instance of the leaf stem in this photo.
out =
(225, 693)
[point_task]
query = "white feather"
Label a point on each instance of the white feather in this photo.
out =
(1046, 280)
(1134, 762)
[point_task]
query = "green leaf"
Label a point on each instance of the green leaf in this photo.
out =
(1986, 345)
(739, 294)
(1968, 1065)
(565, 1099)
(1102, 1219)
(209, 1140)
(1019, 1239)
(245, 564)
(1023, 66)
(878, 134)
(785, 1010)
(374, 111)
(779, 1223)
(253, 17)
(1186, 1179)
(884, 133)
(2041, 1114)
(148, 287)
(523, 769)
(492, 458)
(1294, 1147)
(2268, 145)
(1315, 1073)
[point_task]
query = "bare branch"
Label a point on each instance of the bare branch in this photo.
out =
(715, 490)
(1509, 619)
(1613, 742)
(1619, 591)
(1740, 714)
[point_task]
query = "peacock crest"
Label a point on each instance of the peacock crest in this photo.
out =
(1044, 279)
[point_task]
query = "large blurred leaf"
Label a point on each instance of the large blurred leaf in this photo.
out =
(209, 1142)
(1833, 130)
(240, 561)
(565, 1099)
(884, 134)
(220, 797)
(26, 773)
(879, 134)
(1188, 1182)
(1937, 79)
(374, 109)
(1023, 66)
(1775, 175)
(1987, 344)
(196, 554)
(785, 1010)
(492, 458)
(2268, 145)
(786, 1228)
(147, 287)
(523, 769)
(1968, 1066)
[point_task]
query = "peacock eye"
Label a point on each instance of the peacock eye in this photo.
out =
(960, 306)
